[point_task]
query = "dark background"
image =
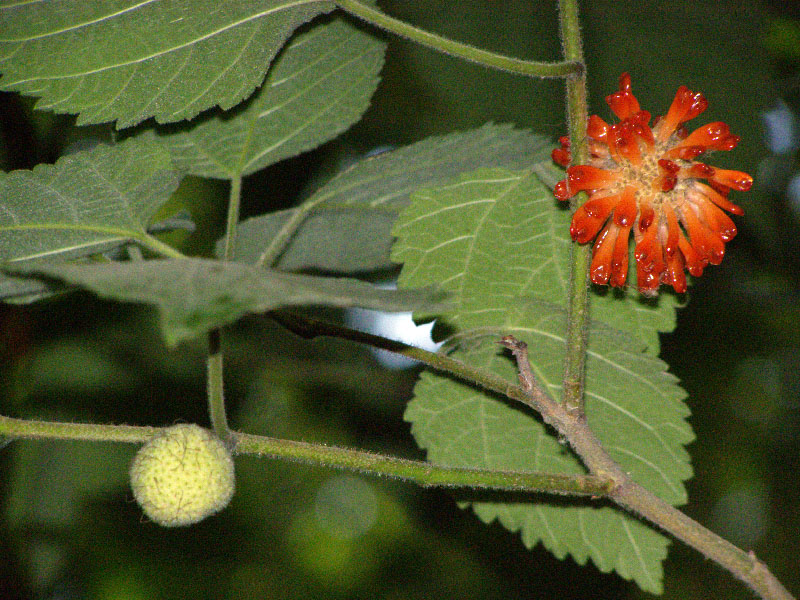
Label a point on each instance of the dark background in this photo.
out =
(69, 526)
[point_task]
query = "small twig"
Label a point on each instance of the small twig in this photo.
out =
(520, 351)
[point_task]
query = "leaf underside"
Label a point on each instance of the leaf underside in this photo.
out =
(194, 295)
(319, 85)
(498, 243)
(346, 224)
(128, 61)
(86, 203)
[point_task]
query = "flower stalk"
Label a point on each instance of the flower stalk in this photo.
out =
(577, 336)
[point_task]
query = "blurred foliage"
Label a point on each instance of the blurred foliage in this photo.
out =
(69, 526)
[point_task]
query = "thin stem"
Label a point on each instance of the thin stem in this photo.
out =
(309, 328)
(215, 387)
(23, 428)
(422, 473)
(457, 49)
(234, 201)
(269, 257)
(578, 301)
(155, 245)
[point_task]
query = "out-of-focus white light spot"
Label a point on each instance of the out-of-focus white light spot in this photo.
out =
(378, 150)
(741, 515)
(395, 326)
(793, 193)
(346, 507)
(780, 126)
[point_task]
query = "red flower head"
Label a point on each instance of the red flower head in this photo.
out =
(646, 179)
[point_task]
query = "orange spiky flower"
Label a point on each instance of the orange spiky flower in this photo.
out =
(645, 179)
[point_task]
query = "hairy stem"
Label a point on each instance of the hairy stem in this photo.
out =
(310, 328)
(422, 473)
(578, 301)
(234, 201)
(457, 49)
(215, 387)
(573, 427)
(49, 430)
(744, 565)
(272, 253)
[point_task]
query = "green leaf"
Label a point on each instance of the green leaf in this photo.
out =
(85, 203)
(497, 241)
(196, 295)
(527, 253)
(17, 290)
(319, 85)
(127, 61)
(346, 225)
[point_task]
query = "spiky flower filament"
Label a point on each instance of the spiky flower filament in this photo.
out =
(645, 179)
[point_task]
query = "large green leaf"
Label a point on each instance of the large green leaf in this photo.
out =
(196, 295)
(528, 254)
(126, 60)
(496, 241)
(85, 203)
(346, 225)
(319, 85)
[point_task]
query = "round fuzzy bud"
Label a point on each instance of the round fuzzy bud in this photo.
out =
(182, 475)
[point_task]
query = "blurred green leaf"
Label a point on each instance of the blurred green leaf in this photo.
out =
(128, 61)
(346, 225)
(15, 290)
(782, 38)
(196, 295)
(317, 87)
(49, 479)
(496, 241)
(85, 203)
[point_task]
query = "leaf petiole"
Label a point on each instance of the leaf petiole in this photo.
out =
(488, 59)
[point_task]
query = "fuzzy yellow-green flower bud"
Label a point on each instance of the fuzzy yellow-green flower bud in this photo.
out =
(182, 475)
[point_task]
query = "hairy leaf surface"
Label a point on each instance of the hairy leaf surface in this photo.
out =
(85, 203)
(319, 85)
(345, 226)
(496, 241)
(127, 60)
(196, 295)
